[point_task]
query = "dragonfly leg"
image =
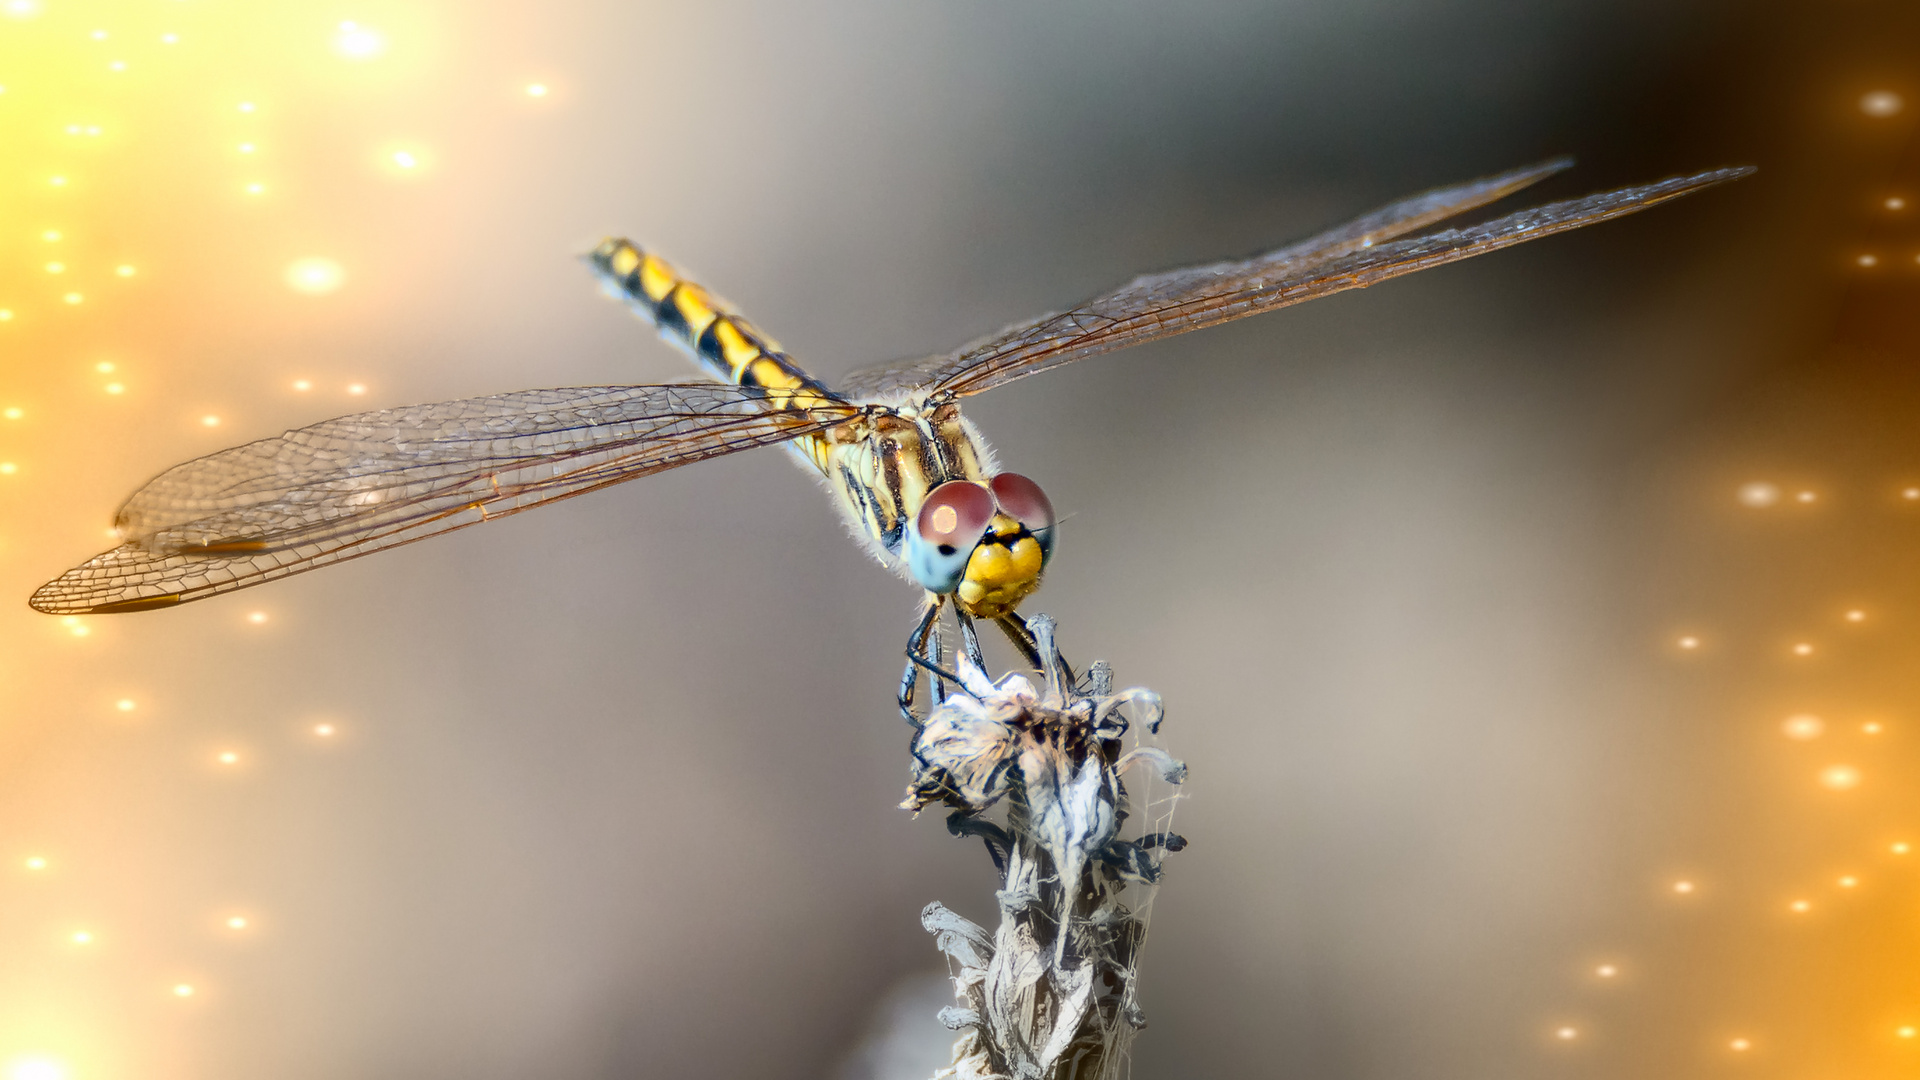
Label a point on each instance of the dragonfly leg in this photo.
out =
(923, 651)
(969, 640)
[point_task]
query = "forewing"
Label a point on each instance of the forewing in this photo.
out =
(360, 484)
(1352, 256)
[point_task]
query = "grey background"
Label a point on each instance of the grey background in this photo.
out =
(614, 789)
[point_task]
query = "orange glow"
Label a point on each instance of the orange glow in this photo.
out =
(1684, 888)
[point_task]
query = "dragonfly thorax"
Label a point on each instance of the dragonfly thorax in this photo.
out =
(918, 485)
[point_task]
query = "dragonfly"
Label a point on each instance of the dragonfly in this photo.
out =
(914, 479)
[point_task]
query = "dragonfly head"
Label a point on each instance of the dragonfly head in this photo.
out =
(983, 544)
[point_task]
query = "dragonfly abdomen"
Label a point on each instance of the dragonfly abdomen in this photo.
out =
(705, 327)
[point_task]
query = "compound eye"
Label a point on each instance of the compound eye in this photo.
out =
(955, 514)
(951, 521)
(1022, 500)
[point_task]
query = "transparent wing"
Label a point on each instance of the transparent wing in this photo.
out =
(1352, 256)
(360, 484)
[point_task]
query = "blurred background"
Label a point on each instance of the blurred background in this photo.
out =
(1539, 630)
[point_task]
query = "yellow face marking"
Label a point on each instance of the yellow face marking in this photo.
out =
(657, 279)
(625, 259)
(1001, 572)
(696, 307)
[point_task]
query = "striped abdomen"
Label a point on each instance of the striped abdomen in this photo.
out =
(717, 338)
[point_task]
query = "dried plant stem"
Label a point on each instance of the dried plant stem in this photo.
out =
(1049, 995)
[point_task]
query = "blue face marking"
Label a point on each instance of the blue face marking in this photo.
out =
(937, 567)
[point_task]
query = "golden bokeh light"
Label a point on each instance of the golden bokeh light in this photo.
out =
(125, 704)
(35, 862)
(1606, 971)
(537, 90)
(257, 618)
(1759, 494)
(1566, 1033)
(1882, 103)
(1848, 881)
(1803, 726)
(1840, 777)
(315, 276)
(357, 42)
(1739, 1045)
(36, 1068)
(236, 922)
(1803, 648)
(183, 990)
(1683, 887)
(1800, 907)
(323, 730)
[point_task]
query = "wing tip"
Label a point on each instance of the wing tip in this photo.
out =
(51, 601)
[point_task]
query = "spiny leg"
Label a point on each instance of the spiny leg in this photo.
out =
(924, 651)
(969, 640)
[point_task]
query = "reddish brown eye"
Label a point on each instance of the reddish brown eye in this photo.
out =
(1022, 500)
(955, 514)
